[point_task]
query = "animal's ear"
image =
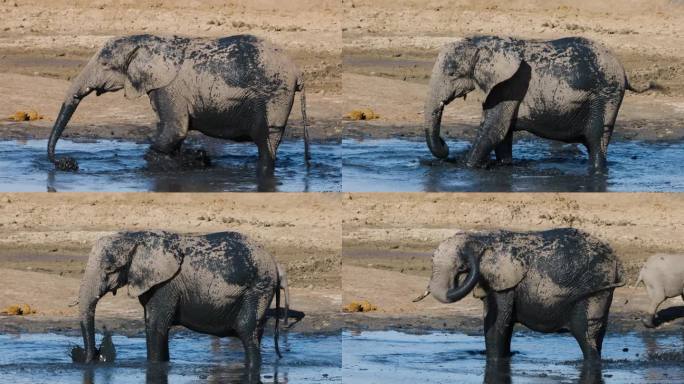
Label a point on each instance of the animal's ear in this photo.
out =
(156, 260)
(494, 67)
(147, 69)
(500, 269)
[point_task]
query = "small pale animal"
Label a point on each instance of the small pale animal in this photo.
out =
(663, 276)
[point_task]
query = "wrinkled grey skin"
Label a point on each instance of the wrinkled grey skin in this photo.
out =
(663, 276)
(220, 284)
(560, 279)
(239, 88)
(568, 90)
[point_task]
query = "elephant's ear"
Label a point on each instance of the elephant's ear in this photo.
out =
(148, 69)
(156, 260)
(500, 269)
(494, 67)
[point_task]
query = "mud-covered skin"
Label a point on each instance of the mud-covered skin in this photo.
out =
(560, 279)
(663, 277)
(239, 88)
(220, 284)
(568, 89)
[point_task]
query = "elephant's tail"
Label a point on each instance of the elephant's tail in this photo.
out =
(276, 329)
(639, 280)
(302, 98)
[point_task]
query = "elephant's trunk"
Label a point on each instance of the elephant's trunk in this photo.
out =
(448, 294)
(65, 113)
(88, 299)
(434, 107)
(85, 83)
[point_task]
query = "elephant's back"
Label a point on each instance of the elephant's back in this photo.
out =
(568, 256)
(243, 61)
(583, 63)
(232, 256)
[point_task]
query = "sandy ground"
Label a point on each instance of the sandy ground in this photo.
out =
(388, 240)
(45, 239)
(44, 44)
(390, 47)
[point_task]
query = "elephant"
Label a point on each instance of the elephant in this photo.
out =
(219, 284)
(239, 88)
(552, 280)
(663, 276)
(568, 89)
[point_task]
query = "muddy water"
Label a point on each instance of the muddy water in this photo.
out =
(107, 165)
(538, 165)
(395, 357)
(37, 358)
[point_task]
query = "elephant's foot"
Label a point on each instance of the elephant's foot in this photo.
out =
(649, 322)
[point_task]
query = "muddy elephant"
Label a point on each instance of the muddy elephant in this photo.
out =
(238, 88)
(559, 279)
(568, 90)
(220, 284)
(663, 276)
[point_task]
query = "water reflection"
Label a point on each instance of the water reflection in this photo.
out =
(107, 165)
(539, 165)
(310, 358)
(438, 357)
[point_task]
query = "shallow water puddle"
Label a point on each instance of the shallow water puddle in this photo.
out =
(109, 165)
(34, 358)
(438, 357)
(539, 165)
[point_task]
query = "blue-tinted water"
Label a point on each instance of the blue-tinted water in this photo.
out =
(108, 165)
(539, 165)
(438, 357)
(44, 358)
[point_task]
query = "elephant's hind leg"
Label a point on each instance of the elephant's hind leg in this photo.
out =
(498, 324)
(249, 329)
(599, 132)
(588, 323)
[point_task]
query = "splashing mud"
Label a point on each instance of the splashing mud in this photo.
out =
(307, 358)
(436, 357)
(210, 165)
(538, 166)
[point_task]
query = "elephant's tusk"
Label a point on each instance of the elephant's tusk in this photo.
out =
(421, 297)
(75, 303)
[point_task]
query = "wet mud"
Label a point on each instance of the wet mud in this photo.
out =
(538, 166)
(307, 358)
(203, 166)
(439, 357)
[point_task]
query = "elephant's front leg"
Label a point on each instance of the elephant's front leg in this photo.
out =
(172, 127)
(493, 131)
(160, 308)
(498, 324)
(504, 150)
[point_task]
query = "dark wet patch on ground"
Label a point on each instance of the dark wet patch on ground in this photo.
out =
(538, 166)
(310, 358)
(206, 166)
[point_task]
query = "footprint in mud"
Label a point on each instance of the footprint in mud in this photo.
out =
(185, 159)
